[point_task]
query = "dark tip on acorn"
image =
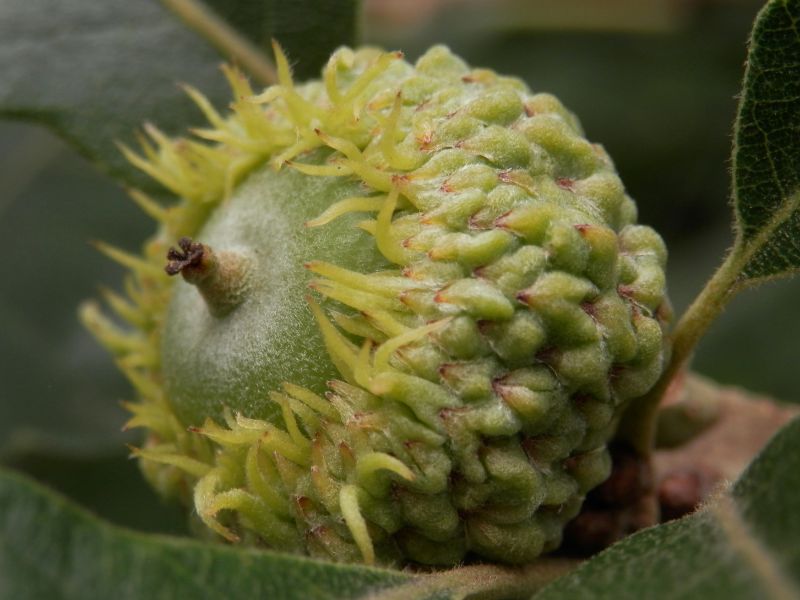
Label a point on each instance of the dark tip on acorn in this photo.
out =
(189, 256)
(220, 277)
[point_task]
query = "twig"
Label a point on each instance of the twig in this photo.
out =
(225, 38)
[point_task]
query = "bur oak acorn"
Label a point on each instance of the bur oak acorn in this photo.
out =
(409, 306)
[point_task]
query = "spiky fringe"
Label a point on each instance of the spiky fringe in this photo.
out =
(280, 124)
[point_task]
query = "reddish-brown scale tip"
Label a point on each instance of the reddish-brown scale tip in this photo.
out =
(194, 429)
(565, 183)
(403, 297)
(625, 291)
(400, 180)
(664, 312)
(505, 176)
(448, 413)
(424, 141)
(444, 368)
(589, 308)
(529, 111)
(468, 79)
(303, 504)
(475, 222)
(499, 389)
(583, 227)
(547, 355)
(501, 220)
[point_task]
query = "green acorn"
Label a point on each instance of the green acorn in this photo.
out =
(413, 305)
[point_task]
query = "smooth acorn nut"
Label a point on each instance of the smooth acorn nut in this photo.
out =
(413, 306)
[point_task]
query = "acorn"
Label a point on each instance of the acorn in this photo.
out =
(395, 314)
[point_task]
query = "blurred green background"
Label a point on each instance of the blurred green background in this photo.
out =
(653, 81)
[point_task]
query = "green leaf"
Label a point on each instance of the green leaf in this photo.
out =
(95, 71)
(742, 545)
(766, 197)
(49, 548)
(308, 30)
(766, 157)
(109, 484)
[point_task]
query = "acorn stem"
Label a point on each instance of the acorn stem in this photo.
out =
(220, 277)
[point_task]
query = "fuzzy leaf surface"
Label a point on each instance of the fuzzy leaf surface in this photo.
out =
(50, 548)
(766, 157)
(742, 545)
(94, 72)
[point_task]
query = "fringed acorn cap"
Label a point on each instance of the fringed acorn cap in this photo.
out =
(433, 306)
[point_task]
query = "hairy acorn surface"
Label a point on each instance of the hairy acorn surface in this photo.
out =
(413, 308)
